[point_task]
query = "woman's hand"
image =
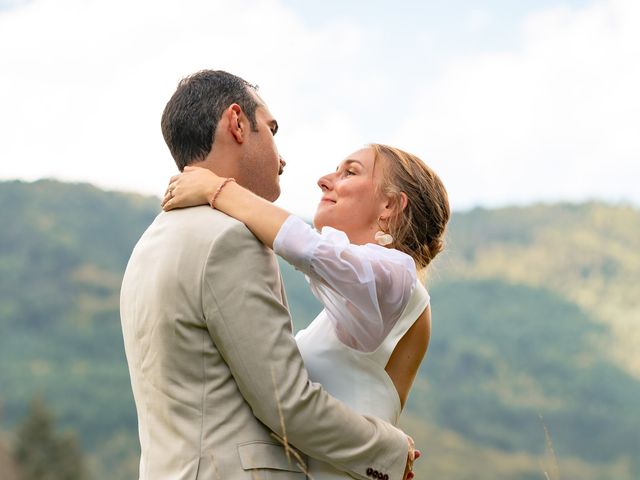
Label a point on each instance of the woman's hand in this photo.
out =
(411, 457)
(195, 186)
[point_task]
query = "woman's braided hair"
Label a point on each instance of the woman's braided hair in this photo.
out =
(418, 229)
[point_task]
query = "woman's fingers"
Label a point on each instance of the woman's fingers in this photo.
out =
(169, 196)
(166, 203)
(408, 473)
(190, 188)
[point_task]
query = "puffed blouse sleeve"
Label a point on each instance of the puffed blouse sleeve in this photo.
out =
(364, 288)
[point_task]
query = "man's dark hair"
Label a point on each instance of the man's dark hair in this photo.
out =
(191, 116)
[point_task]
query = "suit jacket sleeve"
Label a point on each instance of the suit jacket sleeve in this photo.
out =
(251, 327)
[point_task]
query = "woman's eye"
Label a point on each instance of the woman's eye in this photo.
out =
(350, 172)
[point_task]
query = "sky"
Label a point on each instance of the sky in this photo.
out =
(511, 102)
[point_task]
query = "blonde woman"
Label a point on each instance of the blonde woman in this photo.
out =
(380, 221)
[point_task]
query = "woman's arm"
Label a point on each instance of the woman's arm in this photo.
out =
(376, 282)
(197, 186)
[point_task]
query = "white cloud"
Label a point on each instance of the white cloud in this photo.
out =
(478, 20)
(83, 84)
(555, 118)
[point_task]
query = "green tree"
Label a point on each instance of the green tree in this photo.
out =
(43, 454)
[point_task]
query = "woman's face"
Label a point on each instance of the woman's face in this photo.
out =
(350, 200)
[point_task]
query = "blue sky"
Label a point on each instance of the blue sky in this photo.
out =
(512, 102)
(448, 21)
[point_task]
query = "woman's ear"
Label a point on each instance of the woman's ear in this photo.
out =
(236, 122)
(404, 201)
(395, 204)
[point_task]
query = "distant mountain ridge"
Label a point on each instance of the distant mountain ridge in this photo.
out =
(535, 315)
(587, 253)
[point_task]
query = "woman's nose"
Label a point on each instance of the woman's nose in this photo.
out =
(324, 183)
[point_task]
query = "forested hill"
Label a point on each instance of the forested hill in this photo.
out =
(535, 324)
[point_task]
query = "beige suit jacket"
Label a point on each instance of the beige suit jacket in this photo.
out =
(215, 369)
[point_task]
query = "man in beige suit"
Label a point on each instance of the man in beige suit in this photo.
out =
(214, 366)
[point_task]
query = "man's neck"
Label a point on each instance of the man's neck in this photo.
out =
(223, 165)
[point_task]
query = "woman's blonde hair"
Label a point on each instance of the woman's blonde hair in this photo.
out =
(418, 230)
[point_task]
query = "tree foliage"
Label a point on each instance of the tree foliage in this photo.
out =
(44, 454)
(535, 312)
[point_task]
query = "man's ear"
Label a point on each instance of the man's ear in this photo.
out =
(236, 122)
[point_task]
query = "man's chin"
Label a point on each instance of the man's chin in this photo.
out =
(274, 195)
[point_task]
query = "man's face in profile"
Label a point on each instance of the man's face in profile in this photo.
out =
(261, 164)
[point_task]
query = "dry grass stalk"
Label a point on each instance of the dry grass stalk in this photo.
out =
(283, 439)
(555, 474)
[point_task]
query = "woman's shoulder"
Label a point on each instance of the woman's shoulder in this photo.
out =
(371, 250)
(390, 256)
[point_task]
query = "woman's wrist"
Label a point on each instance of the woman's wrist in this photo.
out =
(220, 184)
(211, 188)
(211, 185)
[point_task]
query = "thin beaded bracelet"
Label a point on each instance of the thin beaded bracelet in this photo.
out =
(222, 185)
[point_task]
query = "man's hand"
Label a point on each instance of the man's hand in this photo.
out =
(411, 457)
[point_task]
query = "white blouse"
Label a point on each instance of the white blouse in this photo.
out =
(364, 288)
